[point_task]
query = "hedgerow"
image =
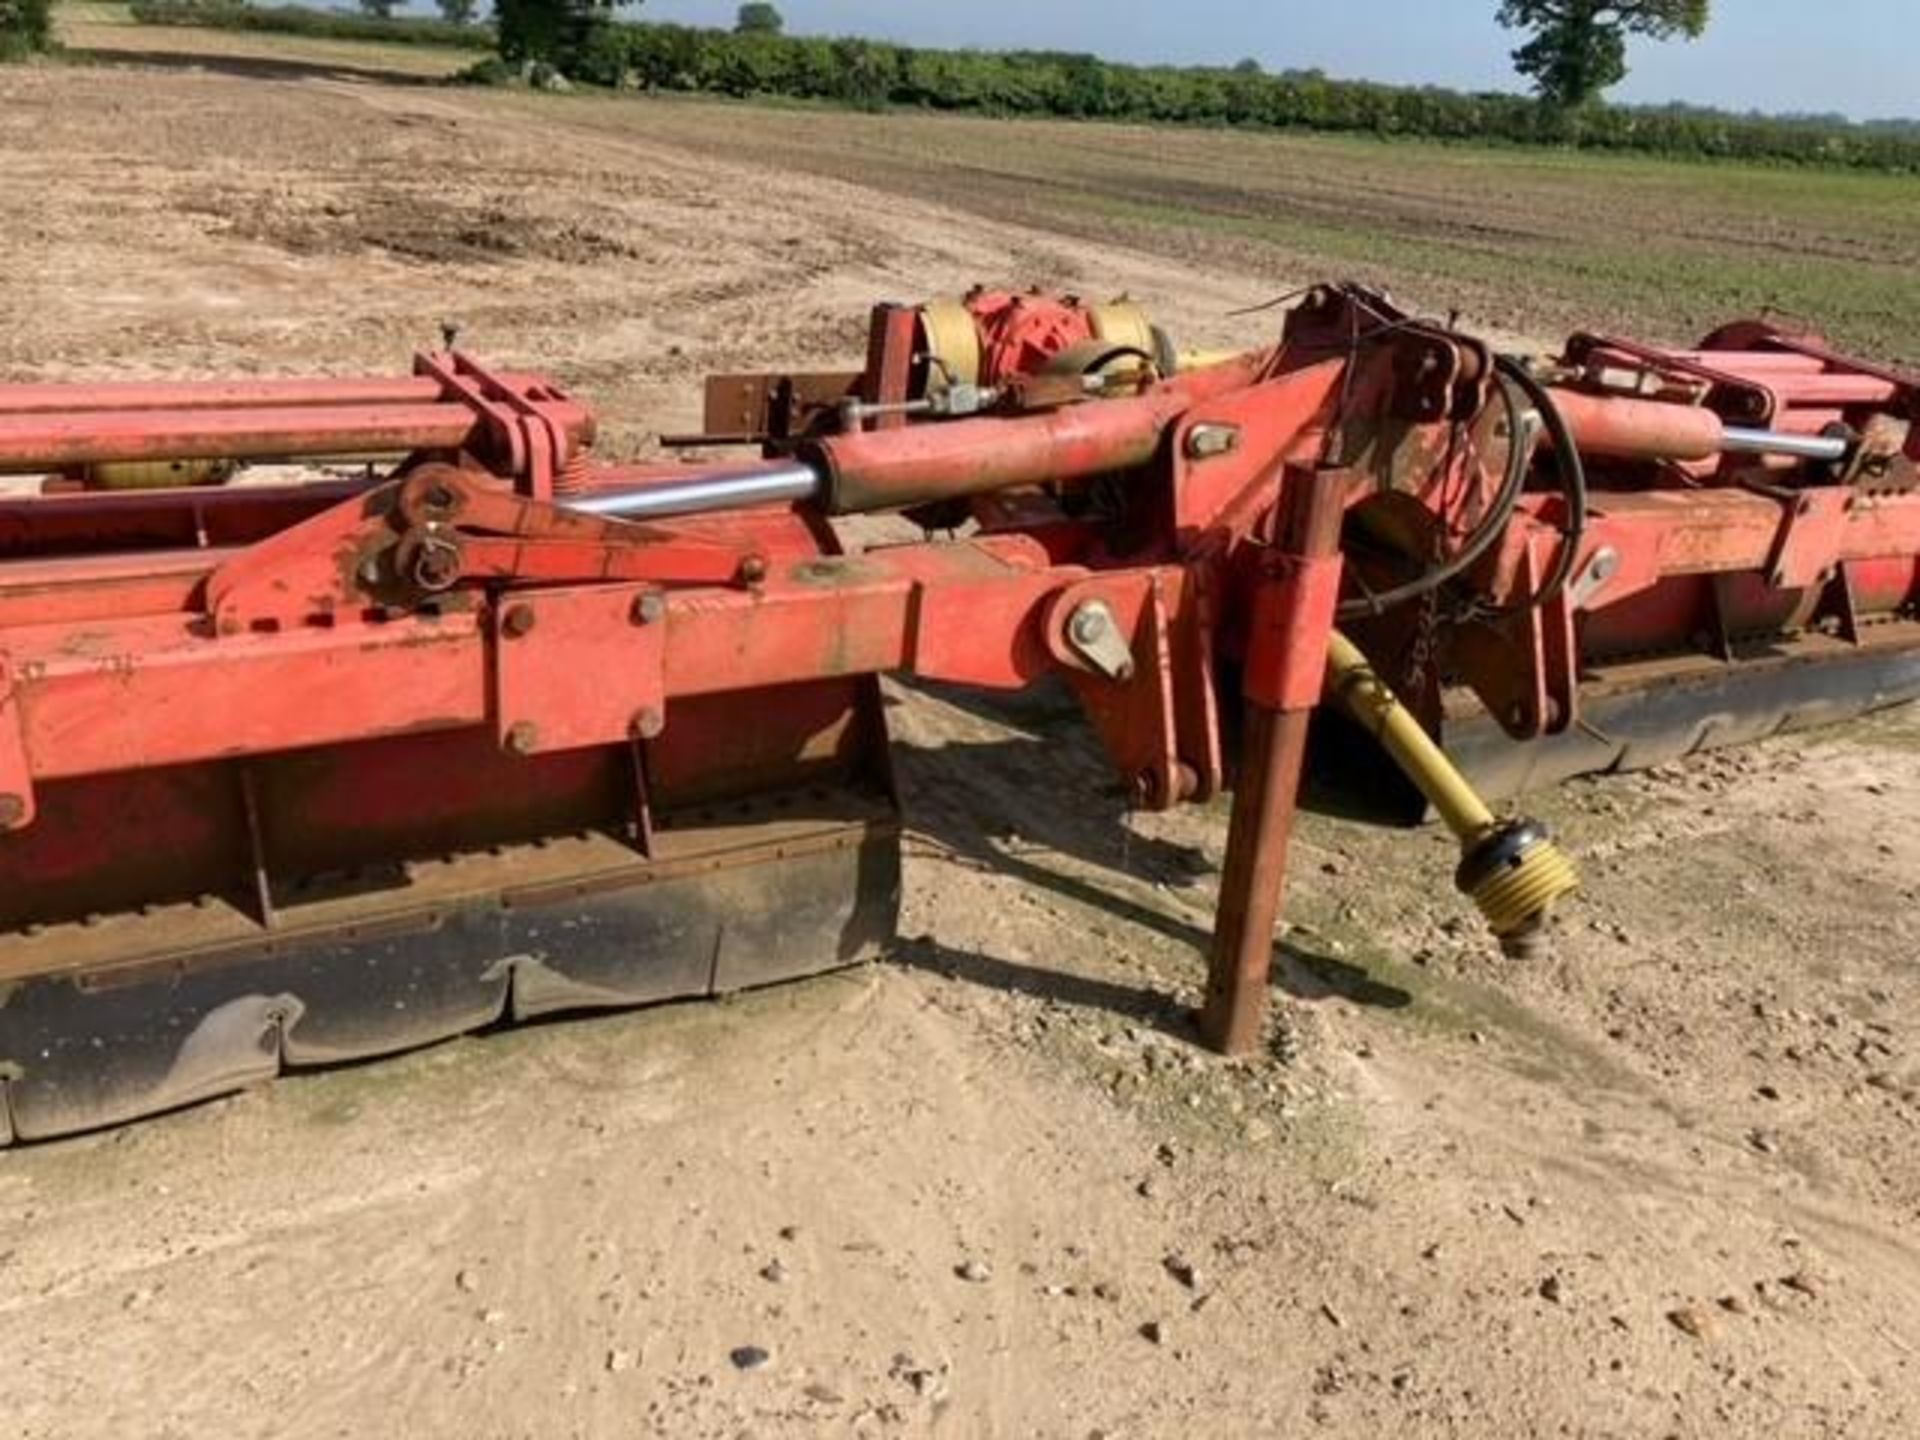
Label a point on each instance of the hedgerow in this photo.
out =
(871, 75)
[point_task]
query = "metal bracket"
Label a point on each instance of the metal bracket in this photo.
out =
(1808, 546)
(533, 440)
(443, 527)
(1095, 636)
(16, 775)
(576, 668)
(461, 527)
(1524, 666)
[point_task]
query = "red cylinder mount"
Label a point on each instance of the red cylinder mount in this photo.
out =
(883, 470)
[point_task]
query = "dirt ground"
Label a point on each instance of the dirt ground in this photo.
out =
(1664, 1183)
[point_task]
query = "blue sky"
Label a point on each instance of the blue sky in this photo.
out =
(1819, 55)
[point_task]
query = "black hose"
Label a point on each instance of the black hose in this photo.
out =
(1572, 476)
(1570, 473)
(1491, 527)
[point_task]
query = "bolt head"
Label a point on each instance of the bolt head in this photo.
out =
(13, 811)
(518, 621)
(1205, 441)
(523, 738)
(753, 569)
(649, 609)
(648, 723)
(1087, 624)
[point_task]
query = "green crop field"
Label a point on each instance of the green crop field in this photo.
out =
(1523, 239)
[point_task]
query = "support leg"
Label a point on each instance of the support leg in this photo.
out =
(1286, 662)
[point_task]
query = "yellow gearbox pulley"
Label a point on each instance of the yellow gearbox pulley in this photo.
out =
(1122, 322)
(1512, 870)
(952, 339)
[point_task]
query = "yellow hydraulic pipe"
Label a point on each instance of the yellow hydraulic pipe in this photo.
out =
(1514, 871)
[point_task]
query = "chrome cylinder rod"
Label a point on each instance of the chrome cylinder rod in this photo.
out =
(702, 494)
(1738, 440)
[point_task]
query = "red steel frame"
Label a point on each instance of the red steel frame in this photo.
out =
(142, 632)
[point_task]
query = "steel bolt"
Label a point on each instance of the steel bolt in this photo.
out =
(649, 609)
(13, 811)
(522, 738)
(1208, 440)
(648, 723)
(753, 569)
(517, 621)
(1088, 623)
(369, 571)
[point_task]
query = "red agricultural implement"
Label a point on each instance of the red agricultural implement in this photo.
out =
(302, 770)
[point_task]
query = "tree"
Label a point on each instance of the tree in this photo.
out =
(1579, 47)
(379, 9)
(26, 27)
(559, 33)
(759, 19)
(458, 12)
(1249, 66)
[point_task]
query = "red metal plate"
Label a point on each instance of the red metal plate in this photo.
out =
(579, 667)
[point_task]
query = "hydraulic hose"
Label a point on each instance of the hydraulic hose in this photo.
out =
(1572, 473)
(1491, 527)
(1569, 471)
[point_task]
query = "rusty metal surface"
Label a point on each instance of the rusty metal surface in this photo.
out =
(773, 406)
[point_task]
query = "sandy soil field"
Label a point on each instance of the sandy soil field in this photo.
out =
(1664, 1183)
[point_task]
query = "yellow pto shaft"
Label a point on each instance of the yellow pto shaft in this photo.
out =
(1513, 871)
